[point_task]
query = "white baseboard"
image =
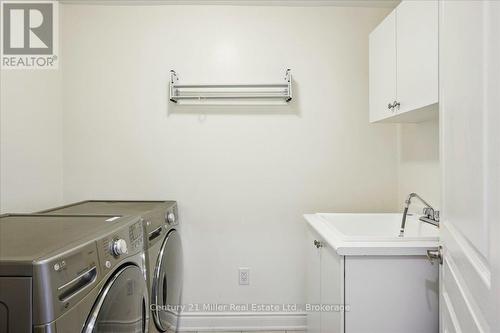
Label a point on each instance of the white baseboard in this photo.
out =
(242, 321)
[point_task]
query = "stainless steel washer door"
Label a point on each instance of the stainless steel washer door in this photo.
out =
(167, 282)
(122, 304)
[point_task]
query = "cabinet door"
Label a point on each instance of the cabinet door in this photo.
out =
(313, 277)
(417, 54)
(382, 68)
(391, 294)
(332, 290)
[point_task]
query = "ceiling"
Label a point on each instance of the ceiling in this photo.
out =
(291, 3)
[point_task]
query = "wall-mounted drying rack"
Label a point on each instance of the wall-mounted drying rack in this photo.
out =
(243, 94)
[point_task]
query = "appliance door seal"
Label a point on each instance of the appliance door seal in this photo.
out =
(167, 283)
(122, 305)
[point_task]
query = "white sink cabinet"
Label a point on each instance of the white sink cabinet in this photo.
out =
(363, 278)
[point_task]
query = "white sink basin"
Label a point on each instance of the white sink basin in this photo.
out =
(374, 234)
(379, 227)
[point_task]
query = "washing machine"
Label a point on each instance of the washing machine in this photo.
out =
(163, 251)
(63, 274)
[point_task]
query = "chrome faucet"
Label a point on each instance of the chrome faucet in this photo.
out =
(430, 216)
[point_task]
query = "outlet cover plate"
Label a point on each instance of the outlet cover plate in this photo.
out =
(244, 276)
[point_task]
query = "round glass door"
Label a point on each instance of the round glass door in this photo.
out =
(167, 283)
(122, 304)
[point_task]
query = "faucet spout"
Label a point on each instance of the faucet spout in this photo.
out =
(430, 216)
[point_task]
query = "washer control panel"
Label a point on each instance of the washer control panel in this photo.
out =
(66, 277)
(119, 247)
(127, 241)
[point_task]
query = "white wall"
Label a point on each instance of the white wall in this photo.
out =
(30, 140)
(419, 169)
(242, 176)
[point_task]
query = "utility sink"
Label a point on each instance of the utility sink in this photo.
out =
(385, 282)
(376, 234)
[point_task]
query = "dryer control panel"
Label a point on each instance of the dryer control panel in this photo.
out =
(171, 216)
(159, 221)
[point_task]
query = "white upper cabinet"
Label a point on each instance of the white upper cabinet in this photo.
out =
(382, 68)
(404, 64)
(417, 54)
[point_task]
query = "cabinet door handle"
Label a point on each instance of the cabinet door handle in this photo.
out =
(318, 244)
(394, 105)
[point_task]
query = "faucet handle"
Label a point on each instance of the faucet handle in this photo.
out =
(429, 212)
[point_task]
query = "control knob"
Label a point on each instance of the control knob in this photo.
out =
(170, 218)
(119, 247)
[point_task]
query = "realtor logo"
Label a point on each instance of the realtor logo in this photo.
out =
(29, 34)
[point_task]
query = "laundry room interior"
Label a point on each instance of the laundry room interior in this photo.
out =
(250, 166)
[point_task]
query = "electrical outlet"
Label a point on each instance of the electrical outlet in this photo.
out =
(244, 275)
